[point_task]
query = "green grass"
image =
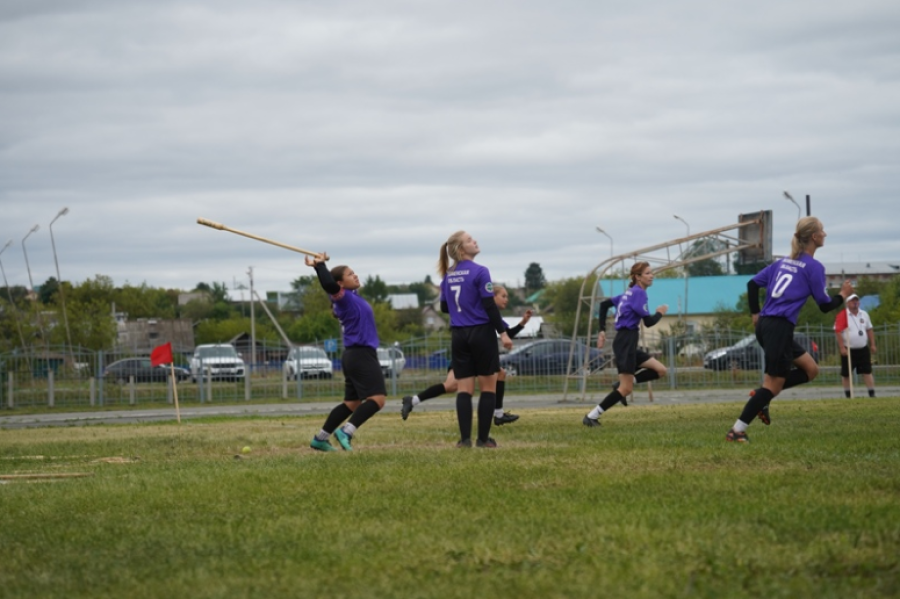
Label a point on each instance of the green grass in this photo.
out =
(652, 504)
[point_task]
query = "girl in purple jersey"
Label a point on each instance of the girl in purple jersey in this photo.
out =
(501, 297)
(364, 389)
(467, 294)
(634, 365)
(788, 283)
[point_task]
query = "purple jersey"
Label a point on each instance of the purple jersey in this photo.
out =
(789, 282)
(463, 289)
(631, 307)
(357, 319)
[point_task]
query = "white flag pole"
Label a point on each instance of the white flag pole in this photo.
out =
(175, 391)
(849, 360)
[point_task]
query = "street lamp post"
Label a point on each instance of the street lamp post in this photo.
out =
(611, 253)
(685, 269)
(31, 281)
(62, 293)
(9, 295)
(789, 197)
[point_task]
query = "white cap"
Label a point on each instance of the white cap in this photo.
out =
(852, 296)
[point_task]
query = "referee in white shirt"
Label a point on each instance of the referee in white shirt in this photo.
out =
(853, 327)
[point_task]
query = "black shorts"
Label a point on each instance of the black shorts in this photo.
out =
(776, 337)
(627, 354)
(860, 358)
(363, 377)
(474, 351)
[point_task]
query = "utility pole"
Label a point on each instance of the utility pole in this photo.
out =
(12, 303)
(252, 324)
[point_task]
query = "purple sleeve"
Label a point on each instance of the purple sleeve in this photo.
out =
(817, 284)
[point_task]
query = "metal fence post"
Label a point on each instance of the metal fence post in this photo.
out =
(100, 361)
(51, 401)
(673, 361)
(10, 401)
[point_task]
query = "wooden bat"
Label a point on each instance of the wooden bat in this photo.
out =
(221, 227)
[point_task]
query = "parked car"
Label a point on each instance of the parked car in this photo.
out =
(309, 361)
(549, 356)
(218, 361)
(391, 360)
(142, 371)
(747, 354)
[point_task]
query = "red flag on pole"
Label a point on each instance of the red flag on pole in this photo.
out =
(161, 355)
(840, 322)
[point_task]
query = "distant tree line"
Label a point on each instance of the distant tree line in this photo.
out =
(91, 308)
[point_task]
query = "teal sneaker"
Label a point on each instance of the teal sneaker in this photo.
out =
(322, 445)
(344, 439)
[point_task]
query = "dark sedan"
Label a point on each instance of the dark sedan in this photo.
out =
(549, 356)
(747, 354)
(140, 368)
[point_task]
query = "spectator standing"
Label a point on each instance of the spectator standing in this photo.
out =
(855, 336)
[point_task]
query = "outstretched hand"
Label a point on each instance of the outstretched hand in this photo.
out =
(317, 259)
(846, 290)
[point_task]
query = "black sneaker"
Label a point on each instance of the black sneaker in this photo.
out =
(588, 421)
(763, 416)
(464, 443)
(407, 407)
(505, 419)
(489, 444)
(736, 437)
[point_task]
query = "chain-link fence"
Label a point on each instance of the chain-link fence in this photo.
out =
(59, 378)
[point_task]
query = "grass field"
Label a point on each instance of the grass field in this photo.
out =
(652, 504)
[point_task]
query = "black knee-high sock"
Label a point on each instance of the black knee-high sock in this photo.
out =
(432, 391)
(610, 400)
(760, 399)
(464, 415)
(368, 409)
(645, 375)
(486, 406)
(795, 377)
(337, 416)
(501, 389)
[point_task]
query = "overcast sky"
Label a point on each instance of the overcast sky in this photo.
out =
(374, 129)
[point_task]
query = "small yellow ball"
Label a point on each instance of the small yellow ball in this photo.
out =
(246, 449)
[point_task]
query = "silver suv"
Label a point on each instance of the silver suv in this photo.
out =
(392, 361)
(217, 361)
(309, 362)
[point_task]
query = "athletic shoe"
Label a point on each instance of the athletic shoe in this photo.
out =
(737, 437)
(505, 419)
(588, 421)
(489, 444)
(407, 407)
(464, 443)
(763, 416)
(322, 445)
(344, 439)
(615, 386)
